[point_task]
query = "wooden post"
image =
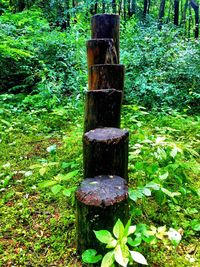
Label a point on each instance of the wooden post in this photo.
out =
(100, 202)
(107, 76)
(106, 26)
(105, 152)
(102, 109)
(101, 51)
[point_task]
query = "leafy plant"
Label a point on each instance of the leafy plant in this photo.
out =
(120, 252)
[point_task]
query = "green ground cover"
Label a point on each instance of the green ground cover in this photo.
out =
(41, 164)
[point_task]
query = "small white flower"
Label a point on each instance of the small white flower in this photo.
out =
(174, 236)
(27, 174)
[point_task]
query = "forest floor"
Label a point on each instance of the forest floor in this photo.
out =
(41, 165)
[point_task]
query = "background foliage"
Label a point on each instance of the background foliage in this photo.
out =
(40, 53)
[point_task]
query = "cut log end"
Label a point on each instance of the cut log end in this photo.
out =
(102, 191)
(106, 134)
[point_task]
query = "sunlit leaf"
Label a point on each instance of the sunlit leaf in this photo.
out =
(104, 236)
(108, 259)
(138, 257)
(56, 189)
(120, 258)
(118, 229)
(89, 256)
(47, 183)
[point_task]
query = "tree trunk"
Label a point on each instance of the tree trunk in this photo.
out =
(106, 26)
(133, 7)
(176, 12)
(100, 201)
(68, 14)
(125, 10)
(114, 8)
(195, 6)
(105, 152)
(161, 14)
(103, 109)
(107, 77)
(103, 6)
(145, 8)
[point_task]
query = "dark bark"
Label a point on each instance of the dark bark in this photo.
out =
(94, 8)
(195, 7)
(103, 109)
(100, 201)
(176, 12)
(161, 13)
(125, 9)
(129, 8)
(103, 6)
(106, 26)
(100, 51)
(107, 76)
(105, 151)
(68, 14)
(133, 7)
(114, 6)
(145, 8)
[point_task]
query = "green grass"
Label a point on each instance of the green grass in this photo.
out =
(37, 226)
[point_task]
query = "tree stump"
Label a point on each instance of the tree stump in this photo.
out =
(107, 76)
(106, 26)
(100, 202)
(103, 109)
(105, 152)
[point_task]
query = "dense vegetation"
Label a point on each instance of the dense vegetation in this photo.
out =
(43, 77)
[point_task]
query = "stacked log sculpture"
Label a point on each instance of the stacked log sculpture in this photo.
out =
(102, 196)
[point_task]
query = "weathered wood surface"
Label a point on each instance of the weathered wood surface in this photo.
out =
(101, 51)
(102, 109)
(106, 26)
(100, 202)
(107, 76)
(105, 152)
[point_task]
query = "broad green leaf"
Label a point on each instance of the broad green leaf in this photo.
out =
(46, 184)
(68, 191)
(174, 152)
(118, 229)
(108, 259)
(127, 227)
(131, 229)
(167, 192)
(153, 185)
(121, 257)
(104, 236)
(163, 176)
(56, 188)
(42, 171)
(138, 257)
(89, 256)
(66, 177)
(134, 243)
(112, 244)
(146, 192)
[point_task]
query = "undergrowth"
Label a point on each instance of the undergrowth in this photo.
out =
(41, 164)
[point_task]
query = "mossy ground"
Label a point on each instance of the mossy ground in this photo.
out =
(37, 226)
